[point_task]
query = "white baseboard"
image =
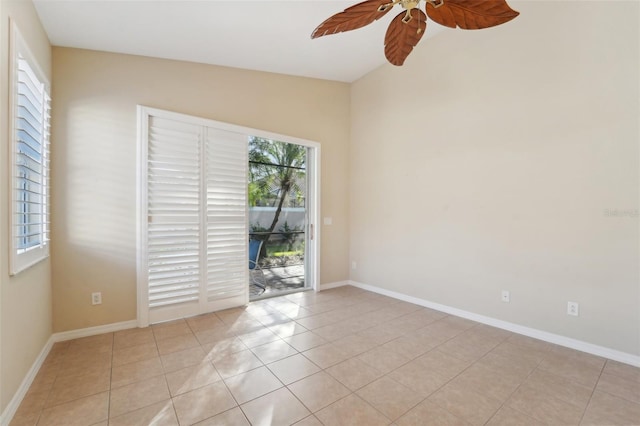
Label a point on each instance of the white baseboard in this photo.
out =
(515, 328)
(10, 411)
(328, 286)
(12, 407)
(93, 331)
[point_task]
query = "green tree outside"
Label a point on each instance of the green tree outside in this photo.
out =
(277, 175)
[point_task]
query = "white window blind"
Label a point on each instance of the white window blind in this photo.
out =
(196, 217)
(31, 115)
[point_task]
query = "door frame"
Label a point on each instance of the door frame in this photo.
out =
(312, 252)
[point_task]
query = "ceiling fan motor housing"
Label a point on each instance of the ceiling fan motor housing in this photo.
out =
(410, 4)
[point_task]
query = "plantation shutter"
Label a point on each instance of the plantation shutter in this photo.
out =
(173, 236)
(31, 115)
(196, 232)
(227, 164)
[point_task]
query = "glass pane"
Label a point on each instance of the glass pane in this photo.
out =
(277, 213)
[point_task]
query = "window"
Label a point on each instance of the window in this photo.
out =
(30, 106)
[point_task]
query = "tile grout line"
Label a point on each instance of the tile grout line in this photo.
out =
(504, 403)
(593, 391)
(113, 342)
(48, 394)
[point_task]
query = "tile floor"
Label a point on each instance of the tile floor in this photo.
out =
(341, 357)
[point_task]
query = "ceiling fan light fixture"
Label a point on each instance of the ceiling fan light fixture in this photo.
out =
(405, 32)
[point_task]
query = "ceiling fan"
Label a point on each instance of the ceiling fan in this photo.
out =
(406, 29)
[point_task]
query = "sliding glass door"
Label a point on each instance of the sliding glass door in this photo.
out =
(194, 214)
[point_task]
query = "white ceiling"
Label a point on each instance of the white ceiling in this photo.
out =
(265, 35)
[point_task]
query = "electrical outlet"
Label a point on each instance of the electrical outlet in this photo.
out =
(353, 264)
(506, 297)
(96, 298)
(572, 309)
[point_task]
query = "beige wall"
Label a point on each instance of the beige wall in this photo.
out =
(25, 300)
(94, 162)
(489, 162)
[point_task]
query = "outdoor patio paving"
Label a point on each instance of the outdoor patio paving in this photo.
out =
(278, 279)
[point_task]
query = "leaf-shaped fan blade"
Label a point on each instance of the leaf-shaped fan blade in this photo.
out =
(471, 14)
(354, 17)
(403, 34)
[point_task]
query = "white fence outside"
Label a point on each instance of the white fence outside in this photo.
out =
(263, 216)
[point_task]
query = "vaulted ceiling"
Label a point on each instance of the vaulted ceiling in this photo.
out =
(264, 35)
